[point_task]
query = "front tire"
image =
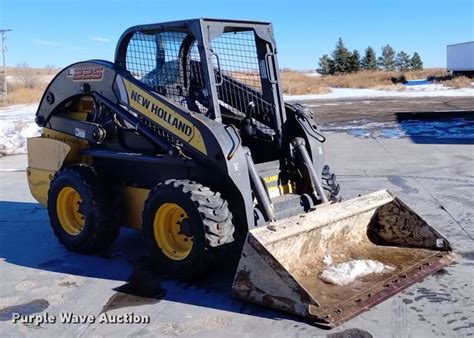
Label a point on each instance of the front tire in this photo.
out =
(185, 226)
(80, 210)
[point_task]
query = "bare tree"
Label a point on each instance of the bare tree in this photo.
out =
(49, 68)
(26, 76)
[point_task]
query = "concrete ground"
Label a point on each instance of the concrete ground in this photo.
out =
(37, 275)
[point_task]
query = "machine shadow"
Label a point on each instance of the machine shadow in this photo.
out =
(27, 240)
(453, 127)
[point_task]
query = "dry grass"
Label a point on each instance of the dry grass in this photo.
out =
(296, 83)
(365, 79)
(425, 73)
(15, 71)
(376, 79)
(250, 78)
(23, 95)
(456, 82)
(27, 85)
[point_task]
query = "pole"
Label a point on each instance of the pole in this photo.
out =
(4, 52)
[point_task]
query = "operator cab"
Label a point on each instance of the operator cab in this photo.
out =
(225, 70)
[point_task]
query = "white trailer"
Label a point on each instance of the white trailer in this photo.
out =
(460, 58)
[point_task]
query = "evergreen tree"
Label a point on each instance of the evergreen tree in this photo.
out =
(369, 61)
(415, 62)
(380, 62)
(340, 55)
(354, 61)
(326, 65)
(402, 61)
(388, 58)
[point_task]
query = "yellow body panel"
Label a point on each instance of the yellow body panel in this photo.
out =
(275, 189)
(271, 179)
(133, 201)
(38, 181)
(80, 116)
(73, 142)
(46, 155)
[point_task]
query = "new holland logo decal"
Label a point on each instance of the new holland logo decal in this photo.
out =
(170, 119)
(161, 114)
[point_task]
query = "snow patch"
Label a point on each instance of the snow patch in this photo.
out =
(347, 272)
(327, 260)
(16, 125)
(312, 74)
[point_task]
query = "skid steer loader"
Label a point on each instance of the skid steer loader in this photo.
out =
(187, 137)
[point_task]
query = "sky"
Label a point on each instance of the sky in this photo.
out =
(60, 32)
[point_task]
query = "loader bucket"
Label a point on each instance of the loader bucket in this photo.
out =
(281, 262)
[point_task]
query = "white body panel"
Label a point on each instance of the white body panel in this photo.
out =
(460, 57)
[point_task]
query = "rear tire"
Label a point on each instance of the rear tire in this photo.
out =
(331, 187)
(80, 210)
(186, 226)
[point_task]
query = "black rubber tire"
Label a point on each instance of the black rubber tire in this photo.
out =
(101, 226)
(211, 226)
(330, 185)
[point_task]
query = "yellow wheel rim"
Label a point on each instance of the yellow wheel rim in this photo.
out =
(68, 206)
(168, 232)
